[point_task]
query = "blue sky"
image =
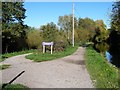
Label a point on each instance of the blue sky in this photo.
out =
(41, 13)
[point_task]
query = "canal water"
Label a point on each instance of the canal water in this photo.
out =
(108, 56)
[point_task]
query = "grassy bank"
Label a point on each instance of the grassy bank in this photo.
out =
(39, 57)
(103, 74)
(7, 55)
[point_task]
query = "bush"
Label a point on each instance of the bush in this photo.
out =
(60, 42)
(34, 39)
(60, 46)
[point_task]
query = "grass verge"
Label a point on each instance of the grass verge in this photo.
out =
(39, 57)
(4, 66)
(103, 74)
(15, 87)
(7, 55)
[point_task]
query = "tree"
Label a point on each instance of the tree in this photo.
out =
(65, 23)
(115, 16)
(0, 27)
(86, 23)
(50, 32)
(85, 30)
(13, 28)
(100, 37)
(114, 37)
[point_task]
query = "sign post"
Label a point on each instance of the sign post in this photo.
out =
(47, 44)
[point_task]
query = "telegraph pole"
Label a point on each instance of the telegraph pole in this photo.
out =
(73, 24)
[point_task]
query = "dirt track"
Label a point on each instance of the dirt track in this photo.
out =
(67, 72)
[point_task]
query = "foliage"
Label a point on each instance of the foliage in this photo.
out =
(114, 43)
(60, 45)
(51, 33)
(100, 37)
(34, 39)
(103, 74)
(115, 16)
(86, 23)
(114, 37)
(61, 41)
(13, 28)
(4, 66)
(65, 23)
(0, 19)
(85, 30)
(39, 57)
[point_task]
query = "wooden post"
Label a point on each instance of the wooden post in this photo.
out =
(43, 48)
(51, 49)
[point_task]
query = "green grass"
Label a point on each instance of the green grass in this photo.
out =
(4, 66)
(39, 57)
(7, 55)
(103, 74)
(15, 87)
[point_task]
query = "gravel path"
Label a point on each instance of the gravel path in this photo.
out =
(67, 72)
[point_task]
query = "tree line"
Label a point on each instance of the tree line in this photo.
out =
(16, 36)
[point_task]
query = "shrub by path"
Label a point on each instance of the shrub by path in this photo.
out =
(67, 72)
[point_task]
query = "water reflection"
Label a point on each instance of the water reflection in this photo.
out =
(108, 56)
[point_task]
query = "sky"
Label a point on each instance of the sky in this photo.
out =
(41, 13)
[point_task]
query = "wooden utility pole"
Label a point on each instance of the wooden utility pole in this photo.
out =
(73, 25)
